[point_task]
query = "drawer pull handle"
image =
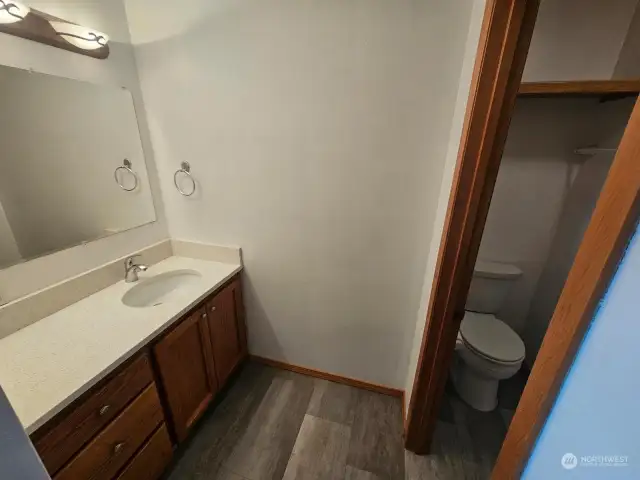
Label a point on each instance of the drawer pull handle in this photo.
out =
(103, 410)
(118, 448)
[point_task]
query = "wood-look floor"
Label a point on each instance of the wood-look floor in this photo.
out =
(274, 424)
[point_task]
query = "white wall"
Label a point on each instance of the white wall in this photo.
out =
(444, 189)
(317, 131)
(595, 412)
(118, 70)
(578, 39)
(628, 65)
(9, 252)
(608, 122)
(535, 175)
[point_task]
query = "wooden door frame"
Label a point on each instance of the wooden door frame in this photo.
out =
(504, 42)
(506, 33)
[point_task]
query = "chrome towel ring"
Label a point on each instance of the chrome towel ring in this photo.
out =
(126, 165)
(186, 169)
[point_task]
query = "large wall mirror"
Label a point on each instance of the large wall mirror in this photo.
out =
(62, 142)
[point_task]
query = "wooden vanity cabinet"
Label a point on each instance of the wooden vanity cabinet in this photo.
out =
(98, 435)
(62, 438)
(112, 448)
(196, 358)
(185, 364)
(121, 428)
(226, 327)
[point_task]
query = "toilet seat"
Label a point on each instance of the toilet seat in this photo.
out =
(491, 338)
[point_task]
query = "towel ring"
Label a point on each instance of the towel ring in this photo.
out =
(186, 169)
(126, 165)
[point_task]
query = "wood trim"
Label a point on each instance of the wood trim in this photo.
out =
(36, 27)
(603, 245)
(332, 377)
(504, 41)
(585, 87)
(404, 412)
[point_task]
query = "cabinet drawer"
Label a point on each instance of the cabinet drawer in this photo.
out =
(76, 427)
(110, 450)
(151, 460)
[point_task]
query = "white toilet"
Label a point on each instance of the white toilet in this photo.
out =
(487, 349)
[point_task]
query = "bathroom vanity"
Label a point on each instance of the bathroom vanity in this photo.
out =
(107, 373)
(116, 388)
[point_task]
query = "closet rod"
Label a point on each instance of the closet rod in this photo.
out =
(589, 151)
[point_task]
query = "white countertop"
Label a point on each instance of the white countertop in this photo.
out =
(47, 365)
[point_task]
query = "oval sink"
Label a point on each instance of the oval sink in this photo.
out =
(158, 289)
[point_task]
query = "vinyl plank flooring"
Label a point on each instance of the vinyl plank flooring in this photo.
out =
(265, 445)
(272, 423)
(484, 433)
(352, 473)
(452, 457)
(510, 390)
(376, 436)
(446, 413)
(202, 455)
(224, 474)
(333, 401)
(320, 451)
(507, 416)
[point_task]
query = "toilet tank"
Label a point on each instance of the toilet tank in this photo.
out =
(490, 286)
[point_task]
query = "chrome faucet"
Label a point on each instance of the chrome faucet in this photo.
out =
(131, 269)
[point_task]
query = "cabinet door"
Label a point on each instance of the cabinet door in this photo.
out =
(239, 317)
(187, 370)
(222, 351)
(228, 337)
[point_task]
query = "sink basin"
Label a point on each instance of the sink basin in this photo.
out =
(158, 289)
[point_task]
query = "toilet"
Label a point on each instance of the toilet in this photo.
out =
(487, 349)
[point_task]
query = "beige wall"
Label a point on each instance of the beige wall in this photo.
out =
(443, 190)
(628, 65)
(118, 70)
(578, 39)
(317, 132)
(535, 176)
(9, 252)
(607, 122)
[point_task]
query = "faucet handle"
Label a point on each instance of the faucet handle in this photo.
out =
(128, 263)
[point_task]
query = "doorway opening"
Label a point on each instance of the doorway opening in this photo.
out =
(543, 166)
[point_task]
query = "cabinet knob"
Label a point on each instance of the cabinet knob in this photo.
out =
(204, 315)
(118, 447)
(213, 309)
(103, 410)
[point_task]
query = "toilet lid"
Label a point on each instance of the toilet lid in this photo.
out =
(491, 337)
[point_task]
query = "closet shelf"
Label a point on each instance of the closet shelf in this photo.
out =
(595, 88)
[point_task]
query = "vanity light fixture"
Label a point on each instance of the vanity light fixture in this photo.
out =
(19, 20)
(12, 12)
(79, 36)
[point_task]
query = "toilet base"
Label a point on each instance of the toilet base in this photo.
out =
(481, 393)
